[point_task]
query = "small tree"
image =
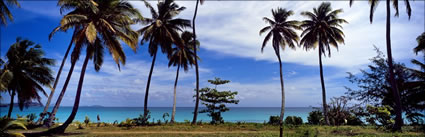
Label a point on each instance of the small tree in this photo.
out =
(215, 100)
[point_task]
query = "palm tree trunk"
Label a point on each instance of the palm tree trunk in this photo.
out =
(145, 107)
(61, 129)
(282, 110)
(46, 107)
(195, 113)
(61, 95)
(173, 114)
(11, 105)
(396, 94)
(322, 81)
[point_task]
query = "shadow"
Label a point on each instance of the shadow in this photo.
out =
(42, 133)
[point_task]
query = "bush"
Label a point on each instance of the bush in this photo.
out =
(380, 114)
(87, 120)
(293, 120)
(127, 123)
(315, 117)
(274, 120)
(142, 120)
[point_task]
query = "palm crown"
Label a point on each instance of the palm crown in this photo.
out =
(322, 29)
(100, 28)
(162, 28)
(184, 56)
(282, 30)
(30, 71)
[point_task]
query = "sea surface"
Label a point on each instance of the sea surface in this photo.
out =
(110, 114)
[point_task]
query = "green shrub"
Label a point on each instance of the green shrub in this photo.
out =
(87, 120)
(142, 120)
(274, 120)
(379, 116)
(315, 117)
(127, 123)
(293, 120)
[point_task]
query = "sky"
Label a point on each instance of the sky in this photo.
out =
(230, 49)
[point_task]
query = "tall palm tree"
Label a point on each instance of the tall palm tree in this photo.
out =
(161, 32)
(101, 27)
(80, 8)
(182, 57)
(283, 32)
(5, 12)
(195, 112)
(30, 72)
(421, 44)
(322, 29)
(373, 4)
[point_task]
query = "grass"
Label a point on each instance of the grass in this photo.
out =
(232, 130)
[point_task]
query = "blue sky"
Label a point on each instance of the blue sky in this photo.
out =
(230, 49)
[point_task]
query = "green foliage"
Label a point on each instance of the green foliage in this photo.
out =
(87, 120)
(128, 123)
(215, 100)
(379, 116)
(274, 120)
(31, 117)
(142, 120)
(373, 87)
(165, 115)
(293, 120)
(6, 124)
(315, 117)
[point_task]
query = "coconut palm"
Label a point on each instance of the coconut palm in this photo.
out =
(282, 33)
(30, 72)
(99, 27)
(5, 12)
(322, 30)
(421, 44)
(373, 4)
(195, 112)
(182, 57)
(161, 32)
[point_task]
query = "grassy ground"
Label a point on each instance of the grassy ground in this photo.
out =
(232, 130)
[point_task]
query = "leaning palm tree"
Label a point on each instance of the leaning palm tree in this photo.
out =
(195, 112)
(161, 32)
(77, 19)
(421, 44)
(283, 32)
(397, 101)
(5, 12)
(322, 30)
(182, 57)
(30, 72)
(101, 27)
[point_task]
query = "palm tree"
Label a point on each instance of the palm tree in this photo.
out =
(76, 19)
(5, 12)
(421, 44)
(30, 72)
(195, 112)
(182, 57)
(323, 28)
(100, 27)
(79, 7)
(284, 35)
(373, 3)
(161, 32)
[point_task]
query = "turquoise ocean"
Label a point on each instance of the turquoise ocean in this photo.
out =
(110, 114)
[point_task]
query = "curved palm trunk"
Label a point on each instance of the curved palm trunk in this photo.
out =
(322, 81)
(195, 113)
(396, 94)
(61, 95)
(46, 107)
(61, 129)
(282, 110)
(11, 105)
(173, 114)
(145, 107)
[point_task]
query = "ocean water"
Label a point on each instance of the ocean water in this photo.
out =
(110, 114)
